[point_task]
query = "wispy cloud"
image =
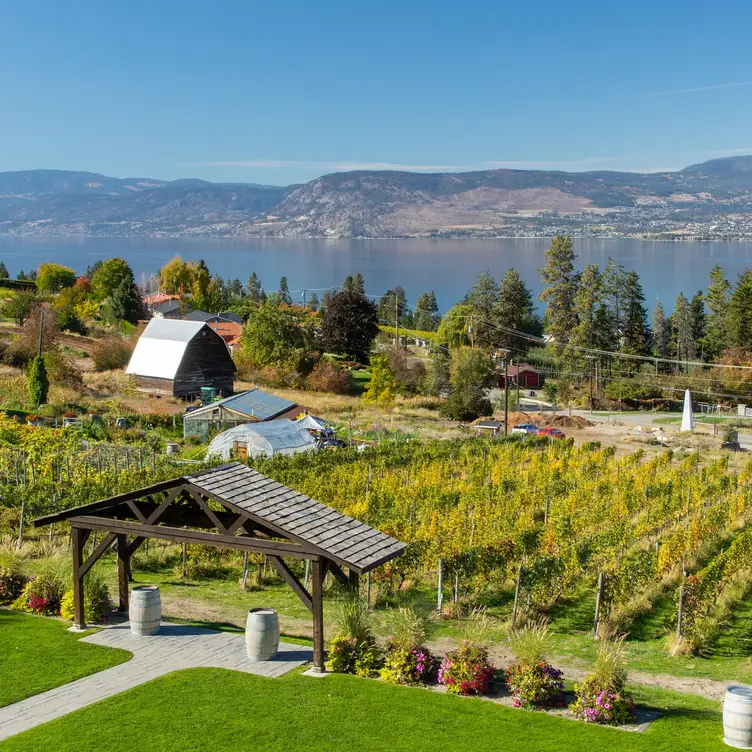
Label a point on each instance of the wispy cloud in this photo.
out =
(550, 164)
(343, 166)
(694, 89)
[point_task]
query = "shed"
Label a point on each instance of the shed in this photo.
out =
(177, 358)
(262, 439)
(235, 507)
(523, 375)
(253, 406)
(488, 425)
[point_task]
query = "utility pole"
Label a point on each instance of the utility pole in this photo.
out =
(590, 359)
(470, 332)
(505, 354)
(304, 296)
(396, 319)
(41, 329)
(518, 386)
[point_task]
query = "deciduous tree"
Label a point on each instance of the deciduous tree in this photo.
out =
(350, 325)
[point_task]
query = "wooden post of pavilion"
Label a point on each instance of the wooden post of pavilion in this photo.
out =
(354, 579)
(123, 567)
(78, 539)
(317, 567)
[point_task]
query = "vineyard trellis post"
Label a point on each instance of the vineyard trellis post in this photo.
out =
(598, 599)
(440, 596)
(545, 514)
(21, 523)
(245, 570)
(516, 595)
(680, 623)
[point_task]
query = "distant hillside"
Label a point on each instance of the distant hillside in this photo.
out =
(712, 199)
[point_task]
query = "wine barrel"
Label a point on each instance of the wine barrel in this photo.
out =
(262, 634)
(145, 610)
(737, 716)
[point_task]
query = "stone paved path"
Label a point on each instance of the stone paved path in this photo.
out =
(175, 647)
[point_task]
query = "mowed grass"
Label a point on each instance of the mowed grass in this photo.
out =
(214, 710)
(37, 654)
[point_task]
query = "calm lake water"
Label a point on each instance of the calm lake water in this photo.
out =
(448, 267)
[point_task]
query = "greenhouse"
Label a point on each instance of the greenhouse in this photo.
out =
(261, 439)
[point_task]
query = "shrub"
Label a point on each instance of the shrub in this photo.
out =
(415, 666)
(594, 705)
(42, 594)
(601, 696)
(539, 685)
(12, 578)
(328, 377)
(97, 603)
(353, 649)
(39, 384)
(532, 681)
(348, 656)
(111, 353)
(467, 671)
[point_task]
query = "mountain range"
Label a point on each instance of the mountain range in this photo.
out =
(707, 200)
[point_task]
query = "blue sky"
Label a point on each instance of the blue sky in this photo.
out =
(281, 92)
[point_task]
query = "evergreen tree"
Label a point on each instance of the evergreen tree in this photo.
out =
(313, 302)
(284, 291)
(254, 288)
(661, 331)
(262, 298)
(126, 303)
(586, 305)
(635, 330)
(3, 271)
(684, 340)
(359, 284)
(38, 382)
(349, 284)
(559, 295)
(109, 275)
(740, 312)
(614, 283)
(697, 311)
(484, 300)
(423, 320)
(235, 288)
(716, 337)
(515, 310)
(326, 298)
(386, 305)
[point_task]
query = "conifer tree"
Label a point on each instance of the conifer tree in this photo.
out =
(38, 382)
(740, 312)
(684, 340)
(716, 336)
(561, 280)
(284, 291)
(661, 331)
(635, 333)
(254, 288)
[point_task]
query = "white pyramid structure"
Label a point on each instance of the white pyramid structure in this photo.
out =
(688, 420)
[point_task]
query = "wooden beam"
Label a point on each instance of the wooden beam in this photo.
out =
(180, 535)
(135, 544)
(317, 600)
(104, 544)
(208, 511)
(78, 538)
(287, 575)
(239, 522)
(157, 513)
(136, 511)
(123, 561)
(336, 570)
(106, 503)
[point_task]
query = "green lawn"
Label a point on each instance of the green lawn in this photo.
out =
(38, 654)
(218, 710)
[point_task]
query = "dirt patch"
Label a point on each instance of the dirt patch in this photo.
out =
(554, 421)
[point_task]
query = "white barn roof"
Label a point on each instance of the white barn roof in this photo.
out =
(161, 347)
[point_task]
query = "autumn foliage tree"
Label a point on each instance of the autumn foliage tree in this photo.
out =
(350, 325)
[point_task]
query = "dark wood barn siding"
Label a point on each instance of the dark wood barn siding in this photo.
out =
(153, 385)
(206, 362)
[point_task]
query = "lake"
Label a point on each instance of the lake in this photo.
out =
(448, 267)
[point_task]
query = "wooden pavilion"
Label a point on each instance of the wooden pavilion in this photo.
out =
(230, 506)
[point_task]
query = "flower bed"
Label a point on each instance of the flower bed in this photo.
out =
(467, 671)
(537, 686)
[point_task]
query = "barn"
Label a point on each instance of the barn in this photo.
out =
(177, 358)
